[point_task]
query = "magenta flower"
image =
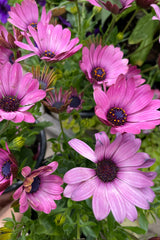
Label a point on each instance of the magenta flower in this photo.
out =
(18, 93)
(8, 169)
(127, 108)
(114, 8)
(39, 189)
(56, 101)
(116, 184)
(103, 64)
(52, 43)
(6, 56)
(76, 100)
(25, 15)
(134, 73)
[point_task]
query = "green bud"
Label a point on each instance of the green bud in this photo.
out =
(60, 219)
(85, 218)
(120, 36)
(18, 142)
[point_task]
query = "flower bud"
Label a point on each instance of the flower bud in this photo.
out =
(59, 219)
(18, 142)
(120, 36)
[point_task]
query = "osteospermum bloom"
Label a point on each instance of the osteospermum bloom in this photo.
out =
(115, 184)
(4, 8)
(127, 108)
(8, 168)
(39, 189)
(114, 8)
(157, 10)
(51, 43)
(103, 64)
(18, 93)
(25, 15)
(56, 101)
(45, 78)
(76, 100)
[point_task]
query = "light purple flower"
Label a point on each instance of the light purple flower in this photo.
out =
(116, 184)
(18, 93)
(6, 56)
(25, 15)
(8, 168)
(52, 43)
(134, 73)
(39, 189)
(103, 64)
(126, 107)
(157, 10)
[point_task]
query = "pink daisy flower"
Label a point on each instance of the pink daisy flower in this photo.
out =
(157, 10)
(18, 93)
(103, 64)
(52, 43)
(114, 8)
(39, 189)
(127, 108)
(8, 168)
(76, 100)
(116, 184)
(25, 15)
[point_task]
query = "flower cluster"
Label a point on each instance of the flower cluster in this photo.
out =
(43, 70)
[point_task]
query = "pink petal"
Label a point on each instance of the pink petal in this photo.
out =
(78, 174)
(83, 149)
(26, 171)
(100, 204)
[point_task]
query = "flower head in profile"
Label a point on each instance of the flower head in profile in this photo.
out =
(76, 100)
(56, 101)
(46, 78)
(39, 189)
(127, 108)
(52, 43)
(18, 93)
(4, 8)
(114, 8)
(103, 64)
(25, 15)
(115, 184)
(8, 168)
(7, 39)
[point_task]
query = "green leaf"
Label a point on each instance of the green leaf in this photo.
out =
(143, 222)
(145, 28)
(137, 230)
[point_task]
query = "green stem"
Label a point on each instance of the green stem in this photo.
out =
(111, 26)
(129, 22)
(79, 19)
(62, 130)
(78, 227)
(4, 127)
(149, 69)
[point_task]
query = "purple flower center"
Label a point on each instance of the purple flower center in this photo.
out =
(48, 53)
(75, 102)
(106, 170)
(57, 105)
(9, 104)
(6, 169)
(98, 73)
(117, 116)
(11, 58)
(35, 185)
(34, 25)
